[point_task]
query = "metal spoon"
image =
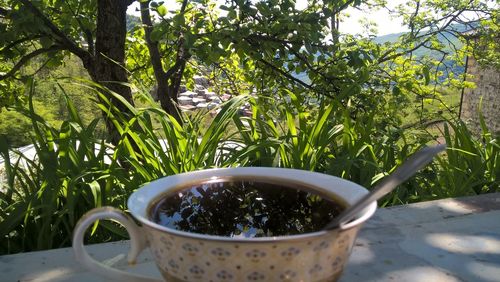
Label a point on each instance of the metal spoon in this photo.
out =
(401, 174)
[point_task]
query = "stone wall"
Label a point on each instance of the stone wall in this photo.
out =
(487, 82)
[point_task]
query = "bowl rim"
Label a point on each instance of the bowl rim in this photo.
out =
(347, 191)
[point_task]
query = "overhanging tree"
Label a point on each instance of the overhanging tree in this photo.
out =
(94, 31)
(271, 41)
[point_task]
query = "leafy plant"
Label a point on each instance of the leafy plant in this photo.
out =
(472, 166)
(157, 145)
(73, 172)
(15, 127)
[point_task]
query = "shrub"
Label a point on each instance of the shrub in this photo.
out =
(15, 128)
(75, 170)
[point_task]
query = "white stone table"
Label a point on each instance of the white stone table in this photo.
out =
(445, 240)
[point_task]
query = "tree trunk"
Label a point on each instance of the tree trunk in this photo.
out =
(109, 58)
(167, 96)
(168, 101)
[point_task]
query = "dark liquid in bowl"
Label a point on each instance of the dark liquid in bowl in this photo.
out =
(245, 209)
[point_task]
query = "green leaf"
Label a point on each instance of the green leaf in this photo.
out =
(46, 42)
(427, 76)
(396, 91)
(189, 40)
(231, 14)
(179, 20)
(156, 34)
(162, 10)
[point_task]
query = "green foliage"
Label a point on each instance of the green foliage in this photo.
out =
(15, 128)
(72, 172)
(325, 101)
(24, 32)
(263, 46)
(75, 170)
(287, 134)
(472, 166)
(162, 146)
(49, 100)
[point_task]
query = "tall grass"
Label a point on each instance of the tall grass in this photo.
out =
(472, 165)
(287, 135)
(72, 172)
(325, 138)
(75, 171)
(163, 146)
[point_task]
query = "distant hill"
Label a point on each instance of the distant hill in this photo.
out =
(448, 40)
(132, 21)
(451, 42)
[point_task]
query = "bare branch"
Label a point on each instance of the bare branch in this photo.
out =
(231, 78)
(324, 92)
(25, 59)
(138, 67)
(311, 67)
(183, 7)
(285, 74)
(181, 57)
(271, 38)
(451, 44)
(41, 67)
(412, 19)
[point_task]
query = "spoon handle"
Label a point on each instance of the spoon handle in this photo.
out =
(401, 174)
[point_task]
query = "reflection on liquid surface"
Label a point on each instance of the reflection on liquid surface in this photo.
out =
(245, 209)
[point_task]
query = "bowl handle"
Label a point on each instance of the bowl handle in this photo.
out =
(137, 244)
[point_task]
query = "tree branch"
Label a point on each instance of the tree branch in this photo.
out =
(41, 67)
(302, 83)
(385, 56)
(311, 67)
(270, 38)
(86, 31)
(343, 6)
(183, 7)
(230, 78)
(285, 74)
(153, 49)
(138, 67)
(25, 59)
(19, 41)
(288, 75)
(181, 57)
(60, 37)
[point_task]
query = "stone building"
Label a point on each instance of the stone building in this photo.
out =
(487, 80)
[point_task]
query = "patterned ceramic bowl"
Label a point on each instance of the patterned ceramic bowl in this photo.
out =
(184, 256)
